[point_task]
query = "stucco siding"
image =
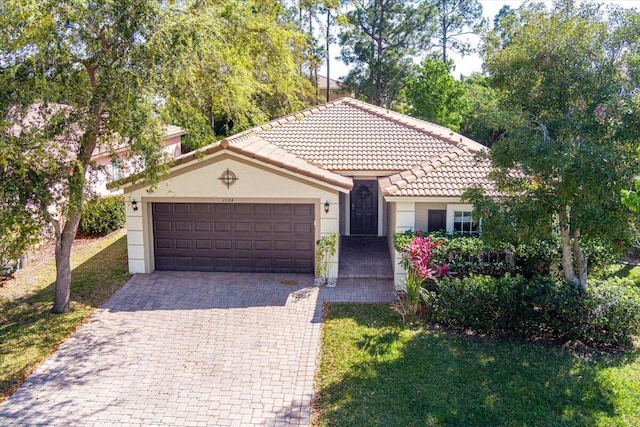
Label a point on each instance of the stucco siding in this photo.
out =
(201, 184)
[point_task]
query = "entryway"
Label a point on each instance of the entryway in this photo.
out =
(364, 257)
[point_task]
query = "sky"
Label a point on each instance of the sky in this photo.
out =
(470, 63)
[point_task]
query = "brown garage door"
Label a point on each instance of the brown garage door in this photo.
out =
(234, 237)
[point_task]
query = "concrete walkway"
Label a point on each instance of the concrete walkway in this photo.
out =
(199, 349)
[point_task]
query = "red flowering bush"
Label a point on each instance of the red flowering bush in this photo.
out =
(417, 260)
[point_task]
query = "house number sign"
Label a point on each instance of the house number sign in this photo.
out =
(228, 178)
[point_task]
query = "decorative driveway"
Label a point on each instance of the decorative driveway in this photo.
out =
(201, 349)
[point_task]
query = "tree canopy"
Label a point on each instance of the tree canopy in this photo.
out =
(435, 95)
(565, 77)
(455, 18)
(74, 77)
(379, 41)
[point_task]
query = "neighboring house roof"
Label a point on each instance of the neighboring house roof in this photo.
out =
(37, 115)
(333, 84)
(446, 176)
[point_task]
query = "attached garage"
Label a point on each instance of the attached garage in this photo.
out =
(255, 237)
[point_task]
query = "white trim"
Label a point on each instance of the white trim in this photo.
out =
(401, 199)
(451, 208)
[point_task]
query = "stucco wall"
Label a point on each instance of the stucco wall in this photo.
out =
(422, 213)
(255, 184)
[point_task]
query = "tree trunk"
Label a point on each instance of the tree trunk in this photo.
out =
(567, 253)
(64, 242)
(581, 262)
(443, 23)
(328, 36)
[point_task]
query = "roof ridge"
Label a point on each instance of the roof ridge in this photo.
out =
(431, 129)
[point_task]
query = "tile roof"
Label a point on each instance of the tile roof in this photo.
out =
(350, 135)
(446, 176)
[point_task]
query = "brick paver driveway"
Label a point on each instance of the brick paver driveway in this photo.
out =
(189, 349)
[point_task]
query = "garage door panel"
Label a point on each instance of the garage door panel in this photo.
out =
(203, 226)
(184, 244)
(302, 228)
(182, 208)
(204, 244)
(242, 227)
(303, 246)
(262, 227)
(303, 210)
(202, 209)
(184, 261)
(243, 245)
(242, 209)
(263, 245)
(206, 262)
(162, 226)
(222, 210)
(163, 243)
(282, 227)
(234, 237)
(262, 210)
(225, 244)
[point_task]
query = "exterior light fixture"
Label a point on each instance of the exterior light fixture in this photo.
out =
(326, 206)
(134, 205)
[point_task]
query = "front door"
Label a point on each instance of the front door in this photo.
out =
(364, 207)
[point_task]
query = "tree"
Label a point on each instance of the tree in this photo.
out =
(435, 95)
(485, 119)
(564, 76)
(456, 18)
(379, 40)
(75, 77)
(235, 65)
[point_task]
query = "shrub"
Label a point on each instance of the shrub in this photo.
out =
(102, 215)
(607, 316)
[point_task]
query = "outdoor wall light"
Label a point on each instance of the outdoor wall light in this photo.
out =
(326, 206)
(134, 205)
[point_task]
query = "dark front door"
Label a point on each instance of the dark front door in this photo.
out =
(437, 220)
(234, 237)
(364, 207)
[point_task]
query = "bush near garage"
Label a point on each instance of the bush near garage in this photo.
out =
(102, 215)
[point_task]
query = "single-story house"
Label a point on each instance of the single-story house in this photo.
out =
(259, 200)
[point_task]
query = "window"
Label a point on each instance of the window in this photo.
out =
(463, 223)
(116, 169)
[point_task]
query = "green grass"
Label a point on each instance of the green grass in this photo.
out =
(29, 332)
(376, 371)
(624, 271)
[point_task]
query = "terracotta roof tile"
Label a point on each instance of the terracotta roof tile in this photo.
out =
(448, 176)
(349, 135)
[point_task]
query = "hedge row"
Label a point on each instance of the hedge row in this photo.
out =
(607, 316)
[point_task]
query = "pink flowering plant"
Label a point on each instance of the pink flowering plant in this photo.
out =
(417, 260)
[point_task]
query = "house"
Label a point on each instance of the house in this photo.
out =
(336, 90)
(113, 164)
(108, 163)
(259, 200)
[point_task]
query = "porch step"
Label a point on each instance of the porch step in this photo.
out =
(364, 258)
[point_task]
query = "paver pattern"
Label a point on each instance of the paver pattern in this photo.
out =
(199, 349)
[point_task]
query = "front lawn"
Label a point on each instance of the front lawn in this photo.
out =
(376, 371)
(29, 332)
